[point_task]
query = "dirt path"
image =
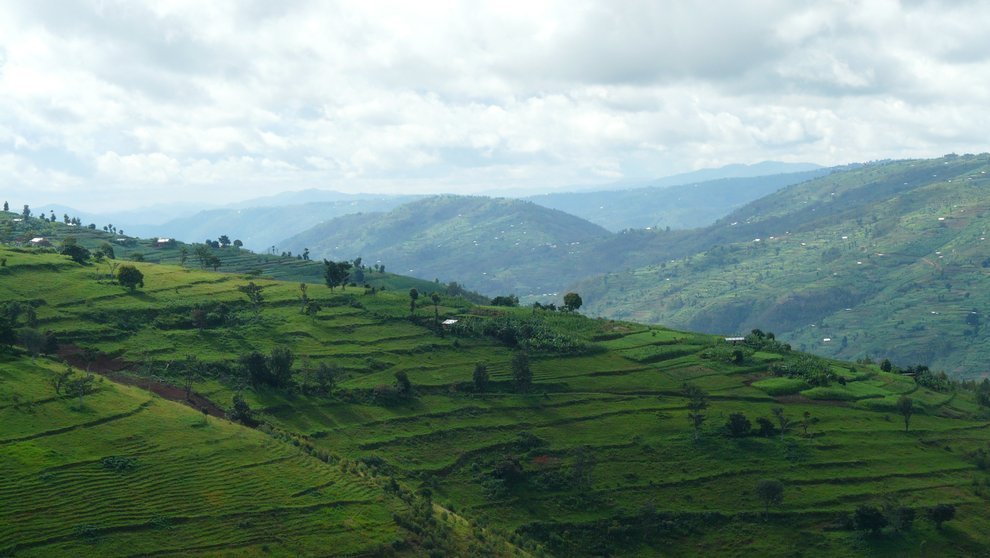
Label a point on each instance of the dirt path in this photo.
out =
(114, 369)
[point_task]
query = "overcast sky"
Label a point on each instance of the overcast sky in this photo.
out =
(211, 100)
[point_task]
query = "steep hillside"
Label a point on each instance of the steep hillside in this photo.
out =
(586, 446)
(491, 244)
(685, 206)
(888, 261)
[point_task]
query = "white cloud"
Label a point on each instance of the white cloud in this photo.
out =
(235, 99)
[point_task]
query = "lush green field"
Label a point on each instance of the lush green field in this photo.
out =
(600, 454)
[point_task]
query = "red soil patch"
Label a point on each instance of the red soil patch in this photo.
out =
(113, 369)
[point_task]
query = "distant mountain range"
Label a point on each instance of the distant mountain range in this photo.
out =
(683, 206)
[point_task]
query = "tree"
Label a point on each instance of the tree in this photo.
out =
(886, 365)
(402, 384)
(203, 254)
(583, 467)
(326, 377)
(522, 376)
(238, 243)
(224, 241)
(770, 492)
(70, 247)
(436, 308)
(240, 411)
(26, 213)
(941, 513)
(805, 422)
(782, 421)
(60, 379)
(107, 250)
(81, 386)
(255, 368)
(766, 428)
(869, 518)
(183, 255)
(280, 366)
(480, 377)
(130, 277)
(572, 301)
(697, 403)
(336, 273)
(303, 296)
(6, 206)
(738, 425)
(214, 261)
(413, 295)
(33, 340)
(254, 295)
(905, 406)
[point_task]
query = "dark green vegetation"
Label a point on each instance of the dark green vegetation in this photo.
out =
(377, 427)
(685, 206)
(889, 260)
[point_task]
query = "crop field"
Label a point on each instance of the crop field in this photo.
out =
(601, 453)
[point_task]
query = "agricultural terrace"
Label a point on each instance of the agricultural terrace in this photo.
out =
(589, 445)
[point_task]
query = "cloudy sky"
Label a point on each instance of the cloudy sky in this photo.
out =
(116, 104)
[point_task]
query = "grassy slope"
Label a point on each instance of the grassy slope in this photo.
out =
(885, 261)
(621, 406)
(197, 489)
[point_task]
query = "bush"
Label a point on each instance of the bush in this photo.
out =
(738, 425)
(119, 464)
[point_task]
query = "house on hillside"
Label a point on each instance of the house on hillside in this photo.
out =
(734, 340)
(165, 243)
(40, 241)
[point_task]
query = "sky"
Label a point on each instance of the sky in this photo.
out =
(111, 105)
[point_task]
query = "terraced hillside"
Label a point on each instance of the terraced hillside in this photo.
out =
(889, 261)
(125, 473)
(282, 266)
(595, 455)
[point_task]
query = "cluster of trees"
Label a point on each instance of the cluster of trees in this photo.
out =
(739, 426)
(572, 302)
(71, 384)
(873, 519)
(765, 341)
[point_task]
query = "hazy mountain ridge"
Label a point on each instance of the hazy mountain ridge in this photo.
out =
(683, 206)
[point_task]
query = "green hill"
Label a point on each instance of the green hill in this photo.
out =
(888, 260)
(596, 455)
(495, 245)
(685, 206)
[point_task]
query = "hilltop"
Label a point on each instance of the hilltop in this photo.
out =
(585, 446)
(495, 245)
(888, 260)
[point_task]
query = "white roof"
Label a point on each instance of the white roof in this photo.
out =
(449, 322)
(163, 240)
(38, 239)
